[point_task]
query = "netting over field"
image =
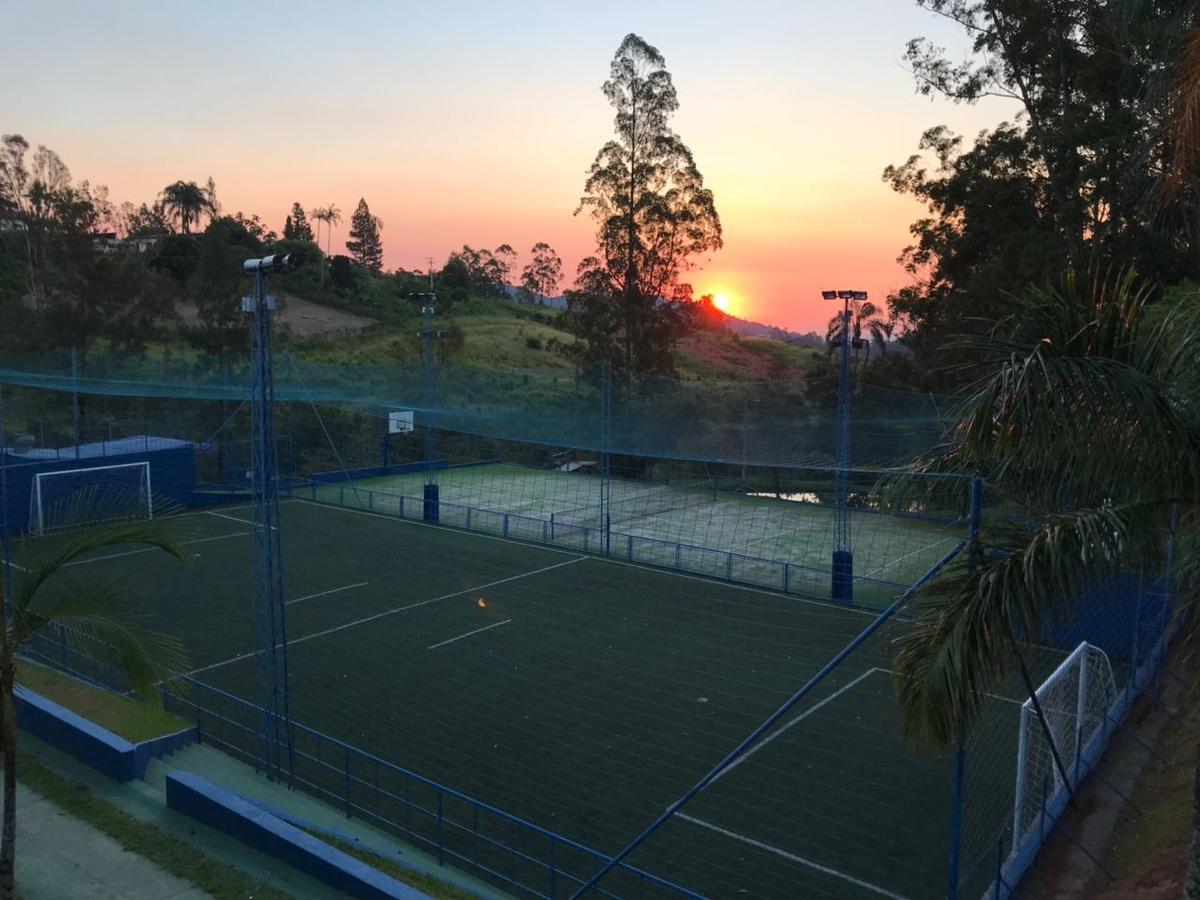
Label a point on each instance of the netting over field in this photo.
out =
(757, 423)
(519, 648)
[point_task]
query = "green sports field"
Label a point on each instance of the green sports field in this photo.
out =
(685, 526)
(583, 694)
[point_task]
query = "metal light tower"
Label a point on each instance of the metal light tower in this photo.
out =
(430, 512)
(270, 631)
(842, 586)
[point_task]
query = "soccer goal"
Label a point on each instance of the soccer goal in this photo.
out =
(1076, 700)
(73, 497)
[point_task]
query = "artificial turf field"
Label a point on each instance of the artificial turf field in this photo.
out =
(688, 527)
(584, 695)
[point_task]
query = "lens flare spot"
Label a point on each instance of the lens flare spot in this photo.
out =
(481, 603)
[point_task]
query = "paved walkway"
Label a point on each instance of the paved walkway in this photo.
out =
(60, 857)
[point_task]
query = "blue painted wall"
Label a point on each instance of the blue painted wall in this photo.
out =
(232, 814)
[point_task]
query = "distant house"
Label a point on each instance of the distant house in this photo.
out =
(106, 242)
(143, 243)
(13, 225)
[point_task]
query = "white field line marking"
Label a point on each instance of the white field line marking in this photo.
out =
(468, 634)
(219, 537)
(778, 535)
(865, 885)
(327, 593)
(803, 570)
(209, 512)
(18, 568)
(386, 612)
(800, 718)
(888, 565)
(985, 693)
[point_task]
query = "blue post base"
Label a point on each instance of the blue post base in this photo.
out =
(843, 576)
(431, 503)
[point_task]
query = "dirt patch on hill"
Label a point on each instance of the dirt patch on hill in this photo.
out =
(725, 356)
(301, 317)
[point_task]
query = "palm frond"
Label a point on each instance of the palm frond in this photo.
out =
(959, 643)
(44, 559)
(96, 620)
(1069, 364)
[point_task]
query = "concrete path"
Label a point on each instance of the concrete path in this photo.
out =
(60, 857)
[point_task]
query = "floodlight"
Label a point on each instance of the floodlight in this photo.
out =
(845, 295)
(829, 295)
(860, 295)
(275, 264)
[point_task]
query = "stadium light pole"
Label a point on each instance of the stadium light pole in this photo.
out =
(842, 581)
(430, 510)
(270, 631)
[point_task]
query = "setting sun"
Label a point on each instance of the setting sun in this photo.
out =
(721, 302)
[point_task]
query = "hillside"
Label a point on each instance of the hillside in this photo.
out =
(511, 334)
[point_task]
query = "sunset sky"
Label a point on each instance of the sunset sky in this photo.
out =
(476, 122)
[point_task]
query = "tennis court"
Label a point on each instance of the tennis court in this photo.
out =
(686, 526)
(583, 694)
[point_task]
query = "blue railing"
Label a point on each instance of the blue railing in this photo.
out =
(456, 828)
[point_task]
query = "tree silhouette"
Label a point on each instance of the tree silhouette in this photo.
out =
(652, 212)
(186, 202)
(296, 227)
(365, 245)
(541, 276)
(331, 216)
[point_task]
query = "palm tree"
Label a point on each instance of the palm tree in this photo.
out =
(91, 616)
(864, 316)
(331, 216)
(1083, 422)
(187, 202)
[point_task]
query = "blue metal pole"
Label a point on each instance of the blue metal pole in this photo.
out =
(843, 557)
(782, 711)
(960, 768)
(269, 617)
(960, 758)
(605, 455)
(4, 538)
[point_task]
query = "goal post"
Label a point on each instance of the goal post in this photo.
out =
(1076, 701)
(92, 494)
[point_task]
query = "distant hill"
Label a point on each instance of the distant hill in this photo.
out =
(749, 328)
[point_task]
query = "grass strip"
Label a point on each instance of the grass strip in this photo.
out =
(169, 854)
(423, 882)
(131, 719)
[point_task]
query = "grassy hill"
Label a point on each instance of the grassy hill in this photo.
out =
(512, 335)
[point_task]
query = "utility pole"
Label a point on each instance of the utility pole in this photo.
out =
(430, 260)
(270, 631)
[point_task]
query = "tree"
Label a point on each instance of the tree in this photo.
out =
(331, 216)
(1069, 181)
(91, 614)
(296, 227)
(652, 212)
(541, 275)
(216, 285)
(365, 245)
(864, 316)
(1085, 402)
(186, 202)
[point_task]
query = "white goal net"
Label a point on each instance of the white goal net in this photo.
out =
(1075, 701)
(74, 497)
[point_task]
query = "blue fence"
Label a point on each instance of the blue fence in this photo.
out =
(455, 827)
(727, 565)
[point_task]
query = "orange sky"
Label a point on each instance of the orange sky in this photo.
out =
(466, 123)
